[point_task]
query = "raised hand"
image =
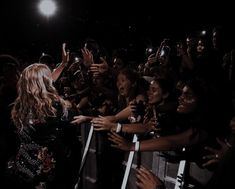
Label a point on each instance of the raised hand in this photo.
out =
(216, 154)
(65, 54)
(152, 58)
(88, 59)
(99, 69)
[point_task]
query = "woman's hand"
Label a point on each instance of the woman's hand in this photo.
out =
(102, 124)
(65, 54)
(217, 154)
(98, 69)
(120, 142)
(87, 57)
(152, 58)
(147, 179)
(79, 119)
(151, 125)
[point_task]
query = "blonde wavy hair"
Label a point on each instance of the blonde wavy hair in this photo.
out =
(36, 96)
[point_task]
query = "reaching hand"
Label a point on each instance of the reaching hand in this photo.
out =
(65, 54)
(152, 58)
(119, 142)
(217, 154)
(147, 179)
(87, 57)
(101, 123)
(99, 69)
(79, 119)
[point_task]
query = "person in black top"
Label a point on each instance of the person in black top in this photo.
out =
(47, 150)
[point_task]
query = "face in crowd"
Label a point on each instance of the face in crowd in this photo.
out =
(155, 93)
(123, 85)
(188, 101)
(126, 82)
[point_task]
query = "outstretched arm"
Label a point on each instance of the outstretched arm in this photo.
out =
(166, 143)
(65, 59)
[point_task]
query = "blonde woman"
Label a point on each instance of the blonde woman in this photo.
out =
(41, 117)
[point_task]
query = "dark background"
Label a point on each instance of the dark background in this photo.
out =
(113, 23)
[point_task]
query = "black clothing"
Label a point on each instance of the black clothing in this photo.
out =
(49, 153)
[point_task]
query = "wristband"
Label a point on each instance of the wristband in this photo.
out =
(118, 128)
(137, 146)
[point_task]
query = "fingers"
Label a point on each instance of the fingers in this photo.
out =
(221, 143)
(142, 173)
(75, 122)
(102, 60)
(98, 129)
(99, 120)
(140, 180)
(145, 176)
(224, 144)
(212, 156)
(78, 119)
(97, 69)
(212, 150)
(210, 162)
(85, 51)
(63, 48)
(99, 126)
(115, 146)
(146, 173)
(94, 68)
(115, 138)
(140, 185)
(151, 55)
(65, 53)
(227, 143)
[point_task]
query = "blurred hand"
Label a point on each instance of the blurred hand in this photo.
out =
(119, 142)
(87, 57)
(79, 119)
(65, 54)
(101, 123)
(152, 125)
(99, 69)
(147, 179)
(152, 58)
(217, 154)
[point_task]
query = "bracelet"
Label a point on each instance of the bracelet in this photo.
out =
(137, 146)
(118, 128)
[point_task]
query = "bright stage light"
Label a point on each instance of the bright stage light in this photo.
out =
(47, 7)
(203, 32)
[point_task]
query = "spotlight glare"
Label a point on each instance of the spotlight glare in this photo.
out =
(47, 7)
(203, 32)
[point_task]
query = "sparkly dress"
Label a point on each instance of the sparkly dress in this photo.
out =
(49, 153)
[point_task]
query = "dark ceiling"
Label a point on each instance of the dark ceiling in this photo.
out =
(114, 23)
